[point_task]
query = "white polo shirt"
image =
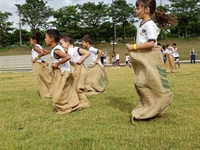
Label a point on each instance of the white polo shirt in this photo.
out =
(147, 32)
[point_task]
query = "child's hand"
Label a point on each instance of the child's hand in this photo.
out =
(33, 60)
(129, 47)
(55, 65)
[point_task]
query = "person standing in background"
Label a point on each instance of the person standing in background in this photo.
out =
(193, 54)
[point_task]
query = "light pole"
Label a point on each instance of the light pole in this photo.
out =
(113, 23)
(20, 30)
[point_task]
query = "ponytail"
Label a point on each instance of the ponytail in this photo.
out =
(165, 20)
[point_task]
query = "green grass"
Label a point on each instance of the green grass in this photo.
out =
(184, 45)
(29, 122)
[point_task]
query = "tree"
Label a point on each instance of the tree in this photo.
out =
(123, 14)
(68, 20)
(35, 13)
(186, 11)
(5, 25)
(93, 16)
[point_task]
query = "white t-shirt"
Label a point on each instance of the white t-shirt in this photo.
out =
(93, 55)
(175, 52)
(35, 53)
(65, 66)
(147, 32)
(127, 57)
(74, 54)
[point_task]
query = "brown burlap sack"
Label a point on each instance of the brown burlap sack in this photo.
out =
(43, 79)
(169, 64)
(80, 74)
(151, 83)
(65, 98)
(96, 81)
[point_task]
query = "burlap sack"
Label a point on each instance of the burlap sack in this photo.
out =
(43, 79)
(80, 74)
(65, 98)
(96, 81)
(169, 64)
(151, 83)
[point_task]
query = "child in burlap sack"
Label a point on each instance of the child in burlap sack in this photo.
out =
(97, 80)
(40, 67)
(150, 81)
(65, 98)
(79, 71)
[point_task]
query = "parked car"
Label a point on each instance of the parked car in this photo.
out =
(111, 42)
(79, 42)
(103, 42)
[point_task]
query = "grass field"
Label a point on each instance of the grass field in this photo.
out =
(184, 45)
(30, 123)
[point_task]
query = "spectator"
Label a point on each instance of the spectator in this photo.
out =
(193, 54)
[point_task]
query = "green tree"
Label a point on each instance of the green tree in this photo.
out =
(123, 14)
(68, 20)
(5, 25)
(186, 11)
(35, 13)
(93, 16)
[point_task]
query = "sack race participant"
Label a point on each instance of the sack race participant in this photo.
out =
(97, 80)
(79, 72)
(169, 64)
(40, 67)
(65, 99)
(150, 81)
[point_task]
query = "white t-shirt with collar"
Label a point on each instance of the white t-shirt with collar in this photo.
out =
(147, 32)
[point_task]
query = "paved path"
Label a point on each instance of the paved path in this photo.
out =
(23, 63)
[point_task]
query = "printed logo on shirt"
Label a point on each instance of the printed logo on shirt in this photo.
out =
(143, 30)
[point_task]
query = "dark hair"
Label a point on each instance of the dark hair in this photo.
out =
(163, 47)
(36, 37)
(174, 44)
(87, 38)
(161, 18)
(67, 37)
(167, 45)
(54, 33)
(159, 44)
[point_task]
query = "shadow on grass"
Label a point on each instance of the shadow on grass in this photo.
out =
(122, 103)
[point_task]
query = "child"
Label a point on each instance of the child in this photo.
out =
(150, 81)
(169, 64)
(176, 55)
(65, 99)
(127, 62)
(77, 56)
(96, 81)
(40, 67)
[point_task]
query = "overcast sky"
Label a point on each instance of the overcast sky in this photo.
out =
(9, 6)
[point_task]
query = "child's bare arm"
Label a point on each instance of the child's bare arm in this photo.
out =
(65, 57)
(40, 53)
(85, 54)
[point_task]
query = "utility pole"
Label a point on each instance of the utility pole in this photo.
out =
(20, 30)
(160, 2)
(113, 28)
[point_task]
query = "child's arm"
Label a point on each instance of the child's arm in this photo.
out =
(145, 46)
(85, 55)
(98, 56)
(45, 51)
(40, 51)
(65, 57)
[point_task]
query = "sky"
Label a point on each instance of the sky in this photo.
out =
(9, 6)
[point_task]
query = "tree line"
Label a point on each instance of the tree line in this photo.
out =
(102, 21)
